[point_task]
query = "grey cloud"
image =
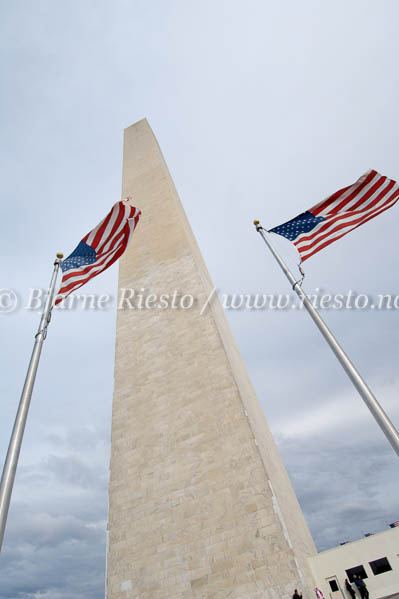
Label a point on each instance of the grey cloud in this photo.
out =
(42, 530)
(361, 475)
(70, 469)
(55, 539)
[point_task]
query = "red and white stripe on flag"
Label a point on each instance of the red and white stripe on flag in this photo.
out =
(319, 593)
(346, 210)
(100, 248)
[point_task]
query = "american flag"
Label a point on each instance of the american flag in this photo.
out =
(340, 213)
(99, 249)
(319, 593)
(394, 524)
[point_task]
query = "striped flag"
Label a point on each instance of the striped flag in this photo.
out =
(99, 249)
(340, 213)
(394, 524)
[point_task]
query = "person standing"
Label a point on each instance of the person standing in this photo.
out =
(348, 587)
(296, 595)
(361, 585)
(363, 588)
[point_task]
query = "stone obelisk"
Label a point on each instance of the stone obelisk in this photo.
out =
(200, 504)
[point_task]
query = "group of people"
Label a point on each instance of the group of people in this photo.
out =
(360, 585)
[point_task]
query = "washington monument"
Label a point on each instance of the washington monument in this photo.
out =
(200, 504)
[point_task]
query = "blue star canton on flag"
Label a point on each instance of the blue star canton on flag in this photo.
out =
(81, 256)
(303, 223)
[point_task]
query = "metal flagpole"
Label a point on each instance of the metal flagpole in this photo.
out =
(10, 466)
(371, 402)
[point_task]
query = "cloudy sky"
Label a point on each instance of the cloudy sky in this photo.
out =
(261, 109)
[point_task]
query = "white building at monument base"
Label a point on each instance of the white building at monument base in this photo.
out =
(375, 558)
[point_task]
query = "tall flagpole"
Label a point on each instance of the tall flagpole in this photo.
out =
(10, 466)
(371, 402)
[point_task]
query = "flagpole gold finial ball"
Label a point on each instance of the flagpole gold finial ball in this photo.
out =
(60, 256)
(256, 222)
